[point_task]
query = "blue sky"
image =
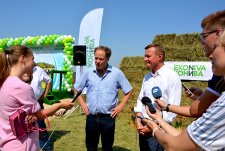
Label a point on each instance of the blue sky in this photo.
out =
(127, 25)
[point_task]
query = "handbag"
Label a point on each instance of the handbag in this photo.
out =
(20, 126)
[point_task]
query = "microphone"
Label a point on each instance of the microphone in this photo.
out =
(146, 101)
(76, 96)
(156, 92)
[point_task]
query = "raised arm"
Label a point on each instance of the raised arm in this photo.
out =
(51, 110)
(196, 109)
(180, 110)
(202, 103)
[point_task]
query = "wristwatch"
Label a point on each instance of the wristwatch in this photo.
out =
(168, 108)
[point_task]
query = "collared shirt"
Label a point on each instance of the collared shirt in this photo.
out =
(39, 76)
(169, 83)
(208, 131)
(102, 91)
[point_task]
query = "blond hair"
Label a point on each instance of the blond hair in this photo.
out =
(221, 40)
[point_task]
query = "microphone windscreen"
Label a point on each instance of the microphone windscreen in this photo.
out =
(156, 92)
(147, 101)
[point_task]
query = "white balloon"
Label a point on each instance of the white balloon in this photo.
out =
(69, 63)
(69, 89)
(56, 42)
(23, 43)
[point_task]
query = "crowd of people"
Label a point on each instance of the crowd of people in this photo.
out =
(21, 89)
(207, 132)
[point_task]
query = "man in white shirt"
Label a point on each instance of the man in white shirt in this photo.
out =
(39, 77)
(169, 83)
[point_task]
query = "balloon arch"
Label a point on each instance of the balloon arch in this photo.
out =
(65, 41)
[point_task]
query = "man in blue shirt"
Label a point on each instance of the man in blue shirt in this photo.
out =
(101, 107)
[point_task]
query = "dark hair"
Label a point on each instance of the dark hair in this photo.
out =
(9, 58)
(158, 48)
(107, 50)
(214, 21)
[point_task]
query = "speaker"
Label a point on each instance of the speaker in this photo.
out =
(79, 55)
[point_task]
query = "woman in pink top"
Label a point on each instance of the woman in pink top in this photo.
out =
(15, 94)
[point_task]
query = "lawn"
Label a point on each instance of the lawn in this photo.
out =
(69, 134)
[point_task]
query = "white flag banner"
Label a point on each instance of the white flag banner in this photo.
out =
(90, 29)
(192, 70)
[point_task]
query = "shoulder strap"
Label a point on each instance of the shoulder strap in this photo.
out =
(33, 128)
(46, 117)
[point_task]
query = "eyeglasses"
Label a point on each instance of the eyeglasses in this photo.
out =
(203, 36)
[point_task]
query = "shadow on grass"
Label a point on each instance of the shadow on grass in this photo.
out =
(116, 148)
(57, 135)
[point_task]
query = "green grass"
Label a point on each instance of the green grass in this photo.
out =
(69, 134)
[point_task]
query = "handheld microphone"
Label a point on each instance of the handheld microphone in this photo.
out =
(146, 101)
(76, 96)
(156, 92)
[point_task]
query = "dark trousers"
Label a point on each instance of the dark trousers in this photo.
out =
(149, 143)
(43, 137)
(96, 126)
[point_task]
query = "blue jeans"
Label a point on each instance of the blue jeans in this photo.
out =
(43, 137)
(149, 143)
(104, 126)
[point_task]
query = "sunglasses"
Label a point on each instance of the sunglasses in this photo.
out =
(204, 35)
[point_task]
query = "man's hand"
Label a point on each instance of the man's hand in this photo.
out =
(84, 108)
(144, 130)
(117, 110)
(141, 128)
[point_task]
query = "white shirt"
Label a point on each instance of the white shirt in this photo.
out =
(169, 83)
(39, 76)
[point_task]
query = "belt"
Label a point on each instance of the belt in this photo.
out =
(100, 115)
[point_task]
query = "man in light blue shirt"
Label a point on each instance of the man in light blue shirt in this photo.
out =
(101, 107)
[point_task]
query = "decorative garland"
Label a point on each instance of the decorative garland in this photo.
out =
(65, 40)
